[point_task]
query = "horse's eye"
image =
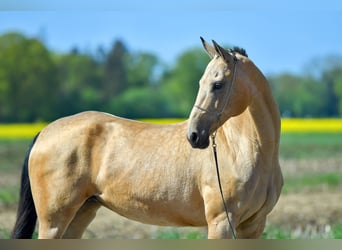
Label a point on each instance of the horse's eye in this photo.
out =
(217, 86)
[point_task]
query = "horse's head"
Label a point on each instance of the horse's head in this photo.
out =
(223, 93)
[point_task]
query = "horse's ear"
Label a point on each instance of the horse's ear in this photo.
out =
(210, 49)
(222, 52)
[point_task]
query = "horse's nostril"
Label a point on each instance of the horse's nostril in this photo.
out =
(194, 137)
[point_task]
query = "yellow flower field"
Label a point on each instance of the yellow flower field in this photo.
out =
(311, 125)
(20, 131)
(289, 125)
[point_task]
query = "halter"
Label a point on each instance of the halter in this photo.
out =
(227, 95)
(214, 145)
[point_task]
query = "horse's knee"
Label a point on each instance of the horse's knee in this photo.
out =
(219, 228)
(251, 229)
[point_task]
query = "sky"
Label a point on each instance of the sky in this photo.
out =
(278, 36)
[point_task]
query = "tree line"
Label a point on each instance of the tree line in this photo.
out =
(37, 84)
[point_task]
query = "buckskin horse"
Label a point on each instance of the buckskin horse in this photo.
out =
(162, 174)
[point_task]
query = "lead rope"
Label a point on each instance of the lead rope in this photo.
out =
(220, 185)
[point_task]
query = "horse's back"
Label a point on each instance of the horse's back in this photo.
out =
(77, 143)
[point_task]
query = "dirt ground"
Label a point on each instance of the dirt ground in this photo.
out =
(296, 210)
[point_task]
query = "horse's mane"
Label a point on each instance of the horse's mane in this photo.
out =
(239, 50)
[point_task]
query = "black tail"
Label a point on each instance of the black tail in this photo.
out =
(26, 214)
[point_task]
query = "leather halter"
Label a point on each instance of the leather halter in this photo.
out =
(228, 93)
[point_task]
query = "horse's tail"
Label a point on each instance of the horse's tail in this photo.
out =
(26, 214)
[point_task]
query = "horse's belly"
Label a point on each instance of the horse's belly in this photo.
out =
(157, 211)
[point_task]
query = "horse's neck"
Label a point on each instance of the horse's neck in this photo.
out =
(260, 122)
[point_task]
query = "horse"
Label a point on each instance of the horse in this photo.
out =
(162, 174)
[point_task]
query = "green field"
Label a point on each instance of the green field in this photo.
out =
(303, 150)
(310, 145)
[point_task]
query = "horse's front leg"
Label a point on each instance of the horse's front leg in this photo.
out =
(218, 225)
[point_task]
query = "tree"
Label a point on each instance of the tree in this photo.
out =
(142, 102)
(297, 96)
(80, 82)
(180, 84)
(115, 71)
(331, 78)
(27, 79)
(38, 84)
(142, 69)
(338, 91)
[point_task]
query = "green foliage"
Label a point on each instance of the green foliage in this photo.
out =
(142, 69)
(79, 78)
(37, 84)
(297, 95)
(337, 78)
(139, 103)
(27, 75)
(180, 84)
(115, 71)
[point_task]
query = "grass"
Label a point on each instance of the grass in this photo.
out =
(12, 154)
(9, 195)
(311, 181)
(174, 234)
(310, 145)
(4, 234)
(325, 232)
(271, 232)
(337, 232)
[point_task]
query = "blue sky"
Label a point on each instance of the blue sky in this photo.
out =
(278, 36)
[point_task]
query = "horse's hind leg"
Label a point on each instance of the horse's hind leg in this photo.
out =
(82, 219)
(52, 225)
(57, 205)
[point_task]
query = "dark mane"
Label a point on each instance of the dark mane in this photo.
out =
(239, 50)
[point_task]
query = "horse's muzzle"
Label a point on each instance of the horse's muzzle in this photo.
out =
(198, 139)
